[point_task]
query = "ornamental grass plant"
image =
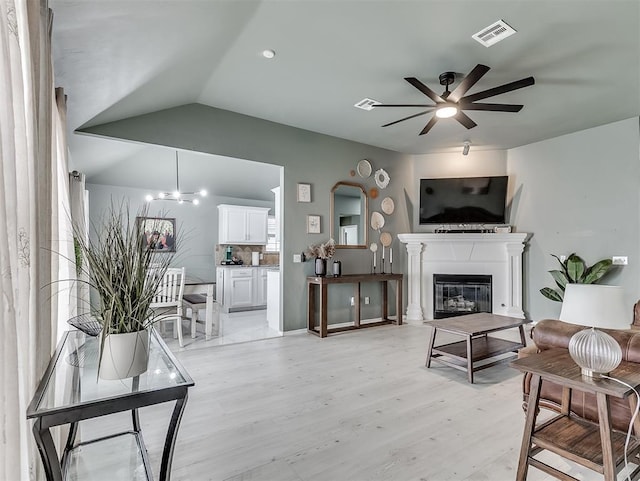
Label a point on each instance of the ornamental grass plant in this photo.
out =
(123, 273)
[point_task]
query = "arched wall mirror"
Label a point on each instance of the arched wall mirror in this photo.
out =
(349, 215)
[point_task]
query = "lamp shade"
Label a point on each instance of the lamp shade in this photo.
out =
(596, 352)
(595, 305)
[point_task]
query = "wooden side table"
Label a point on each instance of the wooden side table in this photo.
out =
(593, 445)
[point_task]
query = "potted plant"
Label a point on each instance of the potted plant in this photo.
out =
(321, 252)
(124, 275)
(574, 270)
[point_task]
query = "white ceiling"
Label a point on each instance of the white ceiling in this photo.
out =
(117, 59)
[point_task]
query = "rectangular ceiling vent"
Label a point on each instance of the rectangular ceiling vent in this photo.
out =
(366, 104)
(494, 33)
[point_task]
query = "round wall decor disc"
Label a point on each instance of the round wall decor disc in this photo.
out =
(386, 239)
(373, 192)
(364, 168)
(387, 205)
(377, 221)
(382, 178)
(373, 247)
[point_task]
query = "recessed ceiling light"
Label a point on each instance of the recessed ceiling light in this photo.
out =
(268, 53)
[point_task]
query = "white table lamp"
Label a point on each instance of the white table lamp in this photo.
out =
(598, 306)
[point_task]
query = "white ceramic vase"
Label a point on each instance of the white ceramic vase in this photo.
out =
(124, 355)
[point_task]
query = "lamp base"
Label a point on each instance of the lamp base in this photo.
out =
(596, 352)
(593, 374)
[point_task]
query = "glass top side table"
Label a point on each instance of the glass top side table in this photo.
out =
(70, 391)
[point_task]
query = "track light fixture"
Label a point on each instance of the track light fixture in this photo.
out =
(465, 148)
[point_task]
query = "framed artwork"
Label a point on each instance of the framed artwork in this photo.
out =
(304, 192)
(158, 233)
(313, 224)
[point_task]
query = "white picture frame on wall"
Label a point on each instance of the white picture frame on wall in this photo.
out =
(304, 192)
(313, 224)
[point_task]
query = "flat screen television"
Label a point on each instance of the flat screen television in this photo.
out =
(463, 200)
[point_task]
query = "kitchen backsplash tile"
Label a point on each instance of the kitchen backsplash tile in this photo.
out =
(244, 253)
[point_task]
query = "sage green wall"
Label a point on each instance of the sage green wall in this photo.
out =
(579, 193)
(308, 157)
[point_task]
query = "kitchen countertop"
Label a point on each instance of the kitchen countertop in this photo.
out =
(234, 266)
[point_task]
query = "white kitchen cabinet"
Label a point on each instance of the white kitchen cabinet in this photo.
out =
(241, 288)
(242, 225)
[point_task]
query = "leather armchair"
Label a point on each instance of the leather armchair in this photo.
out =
(552, 334)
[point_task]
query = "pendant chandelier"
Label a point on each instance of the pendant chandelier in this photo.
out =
(177, 195)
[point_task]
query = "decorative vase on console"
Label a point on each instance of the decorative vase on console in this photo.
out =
(321, 266)
(321, 252)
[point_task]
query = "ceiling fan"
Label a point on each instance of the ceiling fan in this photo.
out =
(452, 104)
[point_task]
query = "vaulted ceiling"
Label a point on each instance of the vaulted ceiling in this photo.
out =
(124, 58)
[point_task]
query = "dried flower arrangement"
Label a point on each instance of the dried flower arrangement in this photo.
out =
(322, 251)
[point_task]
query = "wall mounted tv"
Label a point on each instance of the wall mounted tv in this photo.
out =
(463, 200)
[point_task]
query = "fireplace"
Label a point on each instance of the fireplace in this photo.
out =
(458, 294)
(498, 255)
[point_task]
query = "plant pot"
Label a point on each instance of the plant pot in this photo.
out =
(124, 355)
(321, 266)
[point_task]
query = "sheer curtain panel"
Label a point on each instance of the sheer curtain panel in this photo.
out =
(29, 189)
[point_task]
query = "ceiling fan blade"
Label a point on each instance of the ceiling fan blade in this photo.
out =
(468, 82)
(492, 107)
(407, 118)
(429, 125)
(402, 105)
(518, 84)
(464, 120)
(424, 89)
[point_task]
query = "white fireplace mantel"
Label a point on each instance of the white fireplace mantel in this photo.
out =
(497, 255)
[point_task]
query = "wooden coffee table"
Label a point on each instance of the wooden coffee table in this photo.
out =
(478, 345)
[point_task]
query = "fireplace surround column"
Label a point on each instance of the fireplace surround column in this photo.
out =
(514, 251)
(414, 272)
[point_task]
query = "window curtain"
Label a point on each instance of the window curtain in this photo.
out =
(79, 198)
(30, 190)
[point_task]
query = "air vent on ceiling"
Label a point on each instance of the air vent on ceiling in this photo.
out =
(494, 33)
(366, 104)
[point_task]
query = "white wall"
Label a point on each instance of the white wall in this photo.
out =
(578, 193)
(196, 226)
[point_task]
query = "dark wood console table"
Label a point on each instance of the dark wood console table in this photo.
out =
(322, 329)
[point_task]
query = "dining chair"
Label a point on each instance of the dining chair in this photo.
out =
(167, 303)
(196, 302)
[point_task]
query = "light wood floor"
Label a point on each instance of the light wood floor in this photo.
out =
(354, 406)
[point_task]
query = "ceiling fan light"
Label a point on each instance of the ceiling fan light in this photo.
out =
(446, 111)
(161, 195)
(176, 194)
(203, 192)
(196, 201)
(148, 198)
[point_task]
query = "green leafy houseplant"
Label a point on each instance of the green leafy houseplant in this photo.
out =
(574, 270)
